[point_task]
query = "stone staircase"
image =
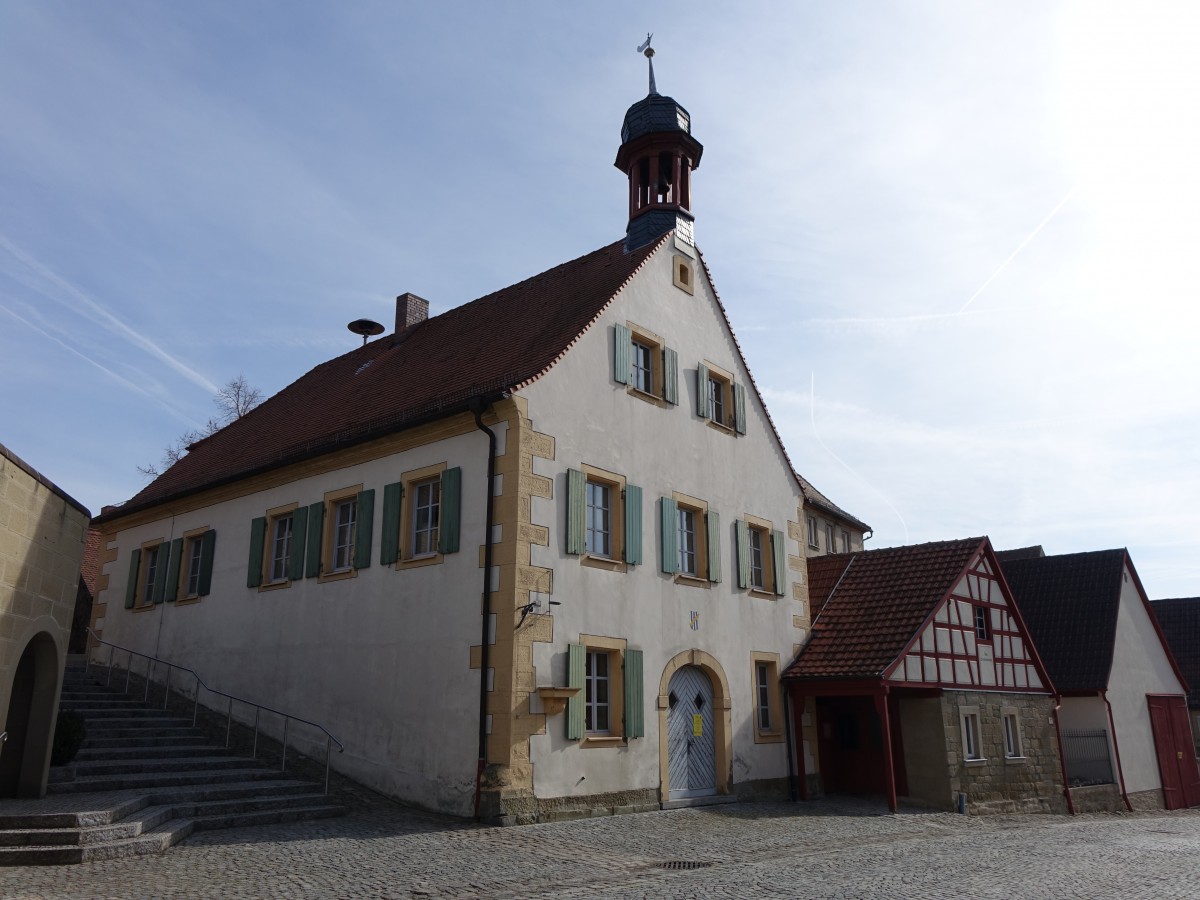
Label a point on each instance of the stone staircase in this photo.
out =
(143, 780)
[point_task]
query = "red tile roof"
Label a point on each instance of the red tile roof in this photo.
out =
(869, 606)
(496, 343)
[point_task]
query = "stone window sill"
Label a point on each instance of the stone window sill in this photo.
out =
(975, 762)
(1014, 760)
(603, 562)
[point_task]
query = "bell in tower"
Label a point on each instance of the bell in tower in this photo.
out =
(658, 154)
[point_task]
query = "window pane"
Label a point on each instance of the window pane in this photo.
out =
(426, 517)
(193, 576)
(756, 559)
(598, 510)
(343, 538)
(687, 541)
(643, 368)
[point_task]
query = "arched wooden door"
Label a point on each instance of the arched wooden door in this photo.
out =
(691, 735)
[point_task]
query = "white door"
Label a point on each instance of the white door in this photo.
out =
(691, 744)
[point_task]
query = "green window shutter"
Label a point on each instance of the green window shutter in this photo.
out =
(135, 563)
(389, 536)
(621, 354)
(575, 660)
(670, 375)
(669, 518)
(739, 408)
(779, 552)
(299, 532)
(714, 546)
(316, 528)
(635, 715)
(633, 525)
(258, 537)
(172, 588)
(743, 552)
(451, 512)
(160, 580)
(208, 547)
(364, 521)
(702, 391)
(576, 510)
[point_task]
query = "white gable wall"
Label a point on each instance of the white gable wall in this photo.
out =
(595, 421)
(1140, 667)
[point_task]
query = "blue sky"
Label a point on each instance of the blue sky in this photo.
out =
(957, 241)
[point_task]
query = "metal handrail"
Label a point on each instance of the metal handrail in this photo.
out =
(288, 718)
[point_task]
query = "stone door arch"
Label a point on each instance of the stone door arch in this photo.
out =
(25, 756)
(722, 722)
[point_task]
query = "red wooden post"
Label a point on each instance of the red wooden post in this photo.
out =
(889, 767)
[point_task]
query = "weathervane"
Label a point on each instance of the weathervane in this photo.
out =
(647, 51)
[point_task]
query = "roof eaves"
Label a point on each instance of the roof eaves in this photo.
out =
(603, 309)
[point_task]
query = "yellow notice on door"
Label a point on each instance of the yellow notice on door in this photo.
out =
(698, 726)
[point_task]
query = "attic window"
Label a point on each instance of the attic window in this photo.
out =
(363, 367)
(681, 274)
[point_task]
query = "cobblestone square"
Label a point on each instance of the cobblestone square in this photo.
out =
(827, 849)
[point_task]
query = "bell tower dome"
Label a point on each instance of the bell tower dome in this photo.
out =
(658, 154)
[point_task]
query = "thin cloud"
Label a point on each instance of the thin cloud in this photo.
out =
(53, 287)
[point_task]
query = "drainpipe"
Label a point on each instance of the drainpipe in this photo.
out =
(478, 405)
(1112, 727)
(1062, 757)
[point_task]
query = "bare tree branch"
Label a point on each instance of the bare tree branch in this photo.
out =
(235, 398)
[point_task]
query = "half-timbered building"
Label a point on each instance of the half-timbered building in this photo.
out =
(923, 684)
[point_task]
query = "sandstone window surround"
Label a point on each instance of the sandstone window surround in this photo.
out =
(422, 517)
(604, 519)
(691, 540)
(608, 707)
(644, 363)
(761, 556)
(768, 698)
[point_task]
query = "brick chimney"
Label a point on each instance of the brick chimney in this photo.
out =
(410, 310)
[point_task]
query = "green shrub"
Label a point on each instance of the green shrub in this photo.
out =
(68, 737)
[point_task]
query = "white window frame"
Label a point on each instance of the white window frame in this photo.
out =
(983, 622)
(972, 737)
(152, 573)
(195, 557)
(762, 695)
(283, 530)
(717, 389)
(426, 518)
(758, 559)
(593, 681)
(1014, 746)
(845, 541)
(598, 536)
(689, 550)
(829, 545)
(812, 533)
(642, 355)
(345, 518)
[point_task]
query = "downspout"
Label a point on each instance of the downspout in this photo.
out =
(1112, 727)
(1062, 757)
(478, 405)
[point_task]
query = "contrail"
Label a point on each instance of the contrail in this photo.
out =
(97, 312)
(1020, 247)
(133, 386)
(812, 411)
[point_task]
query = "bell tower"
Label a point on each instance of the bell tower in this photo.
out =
(658, 154)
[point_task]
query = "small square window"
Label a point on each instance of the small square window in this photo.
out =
(682, 274)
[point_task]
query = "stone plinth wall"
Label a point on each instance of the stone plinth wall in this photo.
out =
(1097, 798)
(996, 784)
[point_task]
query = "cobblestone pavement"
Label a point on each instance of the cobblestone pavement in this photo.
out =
(830, 848)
